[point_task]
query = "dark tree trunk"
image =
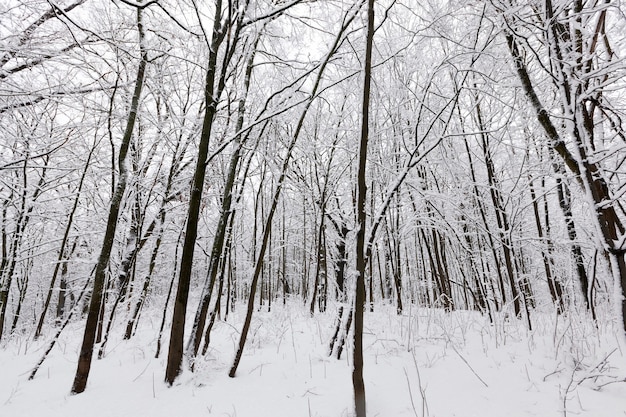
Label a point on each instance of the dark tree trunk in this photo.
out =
(217, 250)
(211, 96)
(359, 301)
(86, 351)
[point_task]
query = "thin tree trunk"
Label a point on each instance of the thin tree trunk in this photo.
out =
(320, 255)
(169, 295)
(340, 264)
(346, 331)
(54, 340)
(211, 96)
(556, 290)
(22, 286)
(333, 339)
(217, 250)
(10, 256)
(86, 351)
(500, 213)
(359, 304)
(564, 198)
(62, 255)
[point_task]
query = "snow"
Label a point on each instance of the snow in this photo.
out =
(424, 363)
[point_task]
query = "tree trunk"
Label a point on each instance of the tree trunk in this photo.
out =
(564, 197)
(554, 286)
(62, 258)
(500, 213)
(211, 96)
(359, 301)
(226, 213)
(86, 351)
(10, 253)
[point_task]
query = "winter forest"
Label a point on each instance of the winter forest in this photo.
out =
(312, 208)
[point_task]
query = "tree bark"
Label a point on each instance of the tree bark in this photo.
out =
(217, 250)
(359, 304)
(86, 351)
(177, 333)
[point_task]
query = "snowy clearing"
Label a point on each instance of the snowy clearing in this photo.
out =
(423, 363)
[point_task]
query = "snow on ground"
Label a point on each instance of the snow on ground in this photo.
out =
(424, 363)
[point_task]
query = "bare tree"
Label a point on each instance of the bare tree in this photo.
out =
(95, 304)
(359, 300)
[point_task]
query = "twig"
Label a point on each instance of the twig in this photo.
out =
(567, 391)
(422, 390)
(600, 386)
(142, 372)
(408, 383)
(469, 366)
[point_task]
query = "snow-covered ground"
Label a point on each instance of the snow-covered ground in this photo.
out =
(423, 363)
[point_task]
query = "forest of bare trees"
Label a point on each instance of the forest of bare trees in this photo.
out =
(186, 159)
